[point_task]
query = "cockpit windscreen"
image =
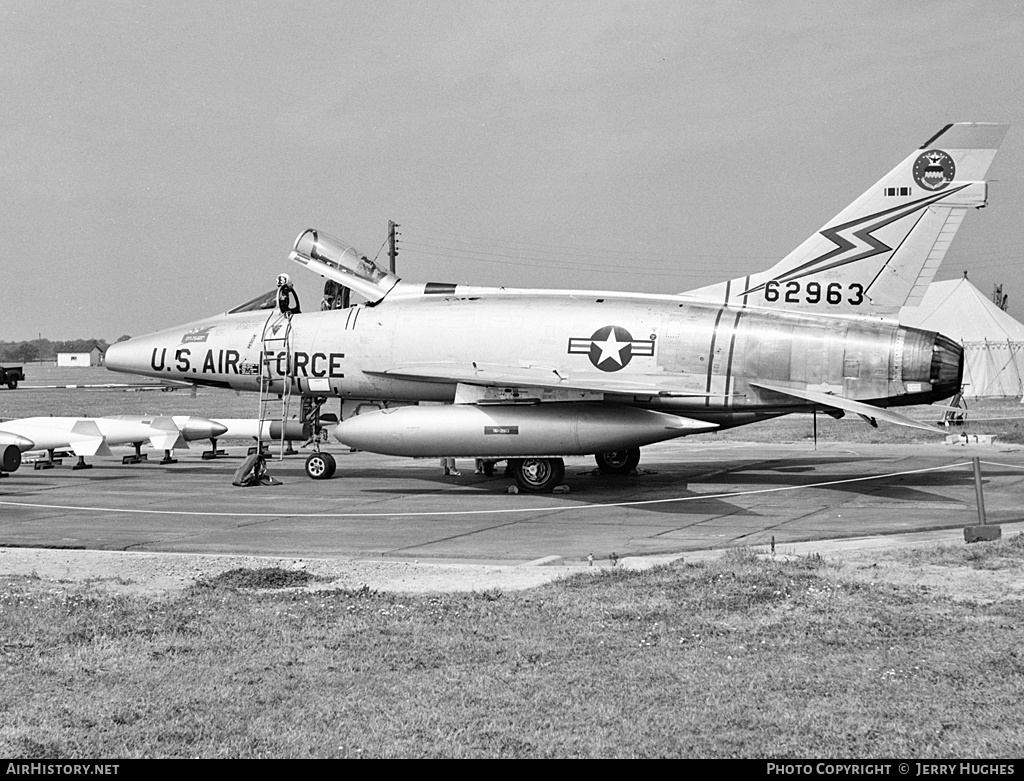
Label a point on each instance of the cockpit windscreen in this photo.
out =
(262, 301)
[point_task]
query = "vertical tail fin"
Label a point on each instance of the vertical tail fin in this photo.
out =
(882, 251)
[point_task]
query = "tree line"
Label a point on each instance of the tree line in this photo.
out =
(46, 350)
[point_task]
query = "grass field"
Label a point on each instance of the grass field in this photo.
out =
(26, 402)
(746, 657)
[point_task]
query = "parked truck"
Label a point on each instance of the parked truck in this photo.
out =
(11, 376)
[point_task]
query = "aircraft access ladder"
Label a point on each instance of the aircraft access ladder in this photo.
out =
(277, 340)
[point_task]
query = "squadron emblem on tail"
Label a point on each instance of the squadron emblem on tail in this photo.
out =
(934, 170)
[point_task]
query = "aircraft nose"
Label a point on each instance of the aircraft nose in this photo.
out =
(145, 355)
(124, 356)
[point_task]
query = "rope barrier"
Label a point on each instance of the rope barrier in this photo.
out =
(1005, 466)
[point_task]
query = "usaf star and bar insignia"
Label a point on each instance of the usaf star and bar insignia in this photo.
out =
(611, 348)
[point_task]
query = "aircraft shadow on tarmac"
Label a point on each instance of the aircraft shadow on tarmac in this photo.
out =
(590, 492)
(877, 483)
(670, 482)
(688, 481)
(906, 488)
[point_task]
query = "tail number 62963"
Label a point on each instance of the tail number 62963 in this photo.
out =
(834, 293)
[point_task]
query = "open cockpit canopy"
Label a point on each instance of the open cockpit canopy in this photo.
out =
(337, 260)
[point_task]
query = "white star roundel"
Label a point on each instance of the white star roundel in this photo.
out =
(611, 347)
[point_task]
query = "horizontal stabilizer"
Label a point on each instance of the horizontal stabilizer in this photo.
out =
(849, 405)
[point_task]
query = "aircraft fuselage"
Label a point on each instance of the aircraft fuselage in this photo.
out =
(709, 355)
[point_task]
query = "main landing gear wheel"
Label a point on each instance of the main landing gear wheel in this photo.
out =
(320, 466)
(12, 383)
(618, 462)
(538, 475)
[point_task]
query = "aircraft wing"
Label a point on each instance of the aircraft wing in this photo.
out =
(545, 378)
(849, 405)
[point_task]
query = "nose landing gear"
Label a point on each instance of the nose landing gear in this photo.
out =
(320, 466)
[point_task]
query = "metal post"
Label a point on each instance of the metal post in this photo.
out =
(978, 492)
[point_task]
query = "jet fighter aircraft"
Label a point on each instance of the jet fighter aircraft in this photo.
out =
(536, 375)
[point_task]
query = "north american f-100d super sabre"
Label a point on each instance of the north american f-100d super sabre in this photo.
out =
(536, 375)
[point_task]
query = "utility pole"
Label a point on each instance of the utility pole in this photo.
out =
(392, 249)
(999, 298)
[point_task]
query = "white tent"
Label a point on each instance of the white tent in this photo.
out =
(993, 341)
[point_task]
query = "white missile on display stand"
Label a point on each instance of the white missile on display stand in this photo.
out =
(168, 432)
(82, 436)
(94, 436)
(249, 428)
(178, 430)
(465, 430)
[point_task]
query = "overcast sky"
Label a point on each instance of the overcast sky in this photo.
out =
(158, 159)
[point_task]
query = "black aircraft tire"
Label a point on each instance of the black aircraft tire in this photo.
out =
(12, 383)
(332, 465)
(320, 466)
(539, 475)
(10, 459)
(618, 462)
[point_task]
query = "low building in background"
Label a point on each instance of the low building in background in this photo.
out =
(94, 357)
